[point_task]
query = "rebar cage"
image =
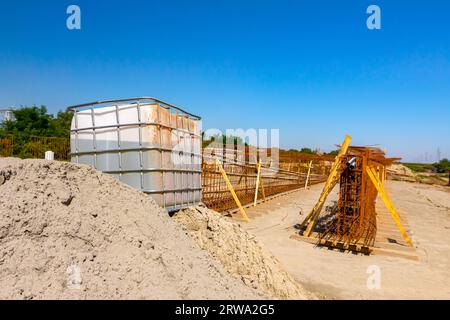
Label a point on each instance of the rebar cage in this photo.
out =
(274, 179)
(353, 220)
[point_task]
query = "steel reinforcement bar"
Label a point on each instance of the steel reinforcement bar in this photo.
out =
(285, 177)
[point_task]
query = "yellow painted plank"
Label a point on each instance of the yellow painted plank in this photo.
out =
(257, 183)
(388, 203)
(329, 185)
(308, 175)
(233, 193)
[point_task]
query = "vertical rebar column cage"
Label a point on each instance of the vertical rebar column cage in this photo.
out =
(144, 142)
(354, 220)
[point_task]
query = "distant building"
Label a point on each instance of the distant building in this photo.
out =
(6, 115)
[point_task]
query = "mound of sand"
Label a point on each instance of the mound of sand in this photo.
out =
(240, 253)
(398, 171)
(68, 231)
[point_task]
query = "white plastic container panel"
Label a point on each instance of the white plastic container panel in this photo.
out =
(149, 145)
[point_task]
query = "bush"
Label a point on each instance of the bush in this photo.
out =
(30, 122)
(442, 166)
(419, 167)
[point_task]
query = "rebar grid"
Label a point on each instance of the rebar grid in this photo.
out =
(243, 176)
(59, 145)
(6, 145)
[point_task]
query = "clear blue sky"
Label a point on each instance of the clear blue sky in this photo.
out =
(310, 68)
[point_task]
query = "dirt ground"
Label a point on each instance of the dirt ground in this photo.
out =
(69, 232)
(336, 275)
(399, 172)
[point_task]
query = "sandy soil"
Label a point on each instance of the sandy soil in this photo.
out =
(67, 231)
(70, 232)
(399, 172)
(240, 253)
(336, 275)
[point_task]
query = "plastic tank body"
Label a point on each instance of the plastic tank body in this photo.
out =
(144, 142)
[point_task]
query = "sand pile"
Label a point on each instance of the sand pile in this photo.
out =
(68, 231)
(398, 171)
(240, 253)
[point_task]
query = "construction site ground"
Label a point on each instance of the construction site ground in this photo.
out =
(332, 274)
(68, 231)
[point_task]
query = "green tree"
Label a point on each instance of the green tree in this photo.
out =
(333, 153)
(442, 166)
(228, 139)
(304, 150)
(38, 122)
(29, 120)
(62, 123)
(34, 121)
(308, 150)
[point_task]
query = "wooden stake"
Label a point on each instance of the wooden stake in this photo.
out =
(309, 173)
(257, 182)
(387, 201)
(233, 193)
(329, 185)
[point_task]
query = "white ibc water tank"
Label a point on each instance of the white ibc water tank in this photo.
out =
(144, 142)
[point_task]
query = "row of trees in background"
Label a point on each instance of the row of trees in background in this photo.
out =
(442, 166)
(314, 151)
(36, 121)
(31, 122)
(223, 139)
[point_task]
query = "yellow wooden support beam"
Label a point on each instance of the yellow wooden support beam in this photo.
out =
(262, 189)
(257, 182)
(308, 175)
(387, 201)
(233, 193)
(329, 185)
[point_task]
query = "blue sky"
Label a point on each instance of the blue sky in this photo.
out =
(310, 68)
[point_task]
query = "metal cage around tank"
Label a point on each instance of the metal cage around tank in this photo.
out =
(147, 143)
